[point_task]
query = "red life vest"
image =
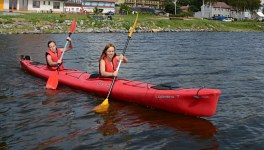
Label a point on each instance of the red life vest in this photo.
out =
(54, 58)
(108, 66)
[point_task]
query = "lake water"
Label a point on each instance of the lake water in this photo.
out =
(32, 117)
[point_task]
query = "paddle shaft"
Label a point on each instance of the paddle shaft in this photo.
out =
(119, 64)
(65, 46)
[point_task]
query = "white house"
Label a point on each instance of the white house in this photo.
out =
(216, 9)
(105, 5)
(73, 7)
(57, 6)
(32, 5)
(46, 5)
(221, 9)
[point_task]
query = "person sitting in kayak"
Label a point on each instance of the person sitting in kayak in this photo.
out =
(108, 61)
(53, 55)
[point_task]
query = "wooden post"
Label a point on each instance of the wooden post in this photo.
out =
(22, 5)
(12, 8)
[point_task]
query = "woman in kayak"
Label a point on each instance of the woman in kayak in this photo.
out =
(108, 61)
(53, 55)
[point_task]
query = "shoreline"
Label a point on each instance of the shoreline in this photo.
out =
(107, 30)
(57, 24)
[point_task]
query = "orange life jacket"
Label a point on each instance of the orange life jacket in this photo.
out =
(108, 66)
(54, 58)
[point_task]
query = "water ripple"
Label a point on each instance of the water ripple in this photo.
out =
(32, 117)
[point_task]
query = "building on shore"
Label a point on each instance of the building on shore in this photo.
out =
(210, 10)
(56, 6)
(44, 6)
(103, 5)
(156, 4)
(73, 6)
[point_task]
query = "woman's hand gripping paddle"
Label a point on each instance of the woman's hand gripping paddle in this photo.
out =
(104, 105)
(53, 79)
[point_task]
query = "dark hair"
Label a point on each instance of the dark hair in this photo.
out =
(51, 42)
(103, 55)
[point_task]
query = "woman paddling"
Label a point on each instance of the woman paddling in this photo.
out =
(108, 61)
(53, 55)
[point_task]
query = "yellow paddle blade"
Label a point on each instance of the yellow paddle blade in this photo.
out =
(103, 107)
(134, 26)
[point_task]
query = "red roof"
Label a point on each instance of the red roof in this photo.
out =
(90, 6)
(184, 7)
(221, 5)
(73, 4)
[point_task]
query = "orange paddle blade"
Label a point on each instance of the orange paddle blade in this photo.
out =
(73, 26)
(103, 107)
(53, 80)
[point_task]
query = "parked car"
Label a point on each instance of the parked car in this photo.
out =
(228, 19)
(110, 13)
(217, 18)
(160, 12)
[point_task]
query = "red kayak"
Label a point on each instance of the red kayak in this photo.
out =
(194, 101)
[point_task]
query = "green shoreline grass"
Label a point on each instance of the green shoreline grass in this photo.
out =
(55, 23)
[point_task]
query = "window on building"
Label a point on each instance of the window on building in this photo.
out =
(101, 4)
(94, 3)
(87, 3)
(44, 2)
(56, 5)
(49, 3)
(107, 4)
(36, 4)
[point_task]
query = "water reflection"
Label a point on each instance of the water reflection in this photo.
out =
(108, 127)
(196, 127)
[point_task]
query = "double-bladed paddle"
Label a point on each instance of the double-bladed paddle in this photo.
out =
(105, 104)
(53, 79)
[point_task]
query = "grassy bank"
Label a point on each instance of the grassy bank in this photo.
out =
(59, 23)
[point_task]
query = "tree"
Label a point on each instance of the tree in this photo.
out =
(170, 6)
(97, 11)
(124, 9)
(212, 1)
(242, 5)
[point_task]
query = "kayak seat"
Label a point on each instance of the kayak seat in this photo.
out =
(25, 57)
(37, 63)
(95, 75)
(164, 87)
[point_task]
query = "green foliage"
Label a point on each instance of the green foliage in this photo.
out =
(170, 7)
(8, 21)
(97, 11)
(124, 7)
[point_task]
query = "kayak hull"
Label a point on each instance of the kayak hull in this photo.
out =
(200, 102)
